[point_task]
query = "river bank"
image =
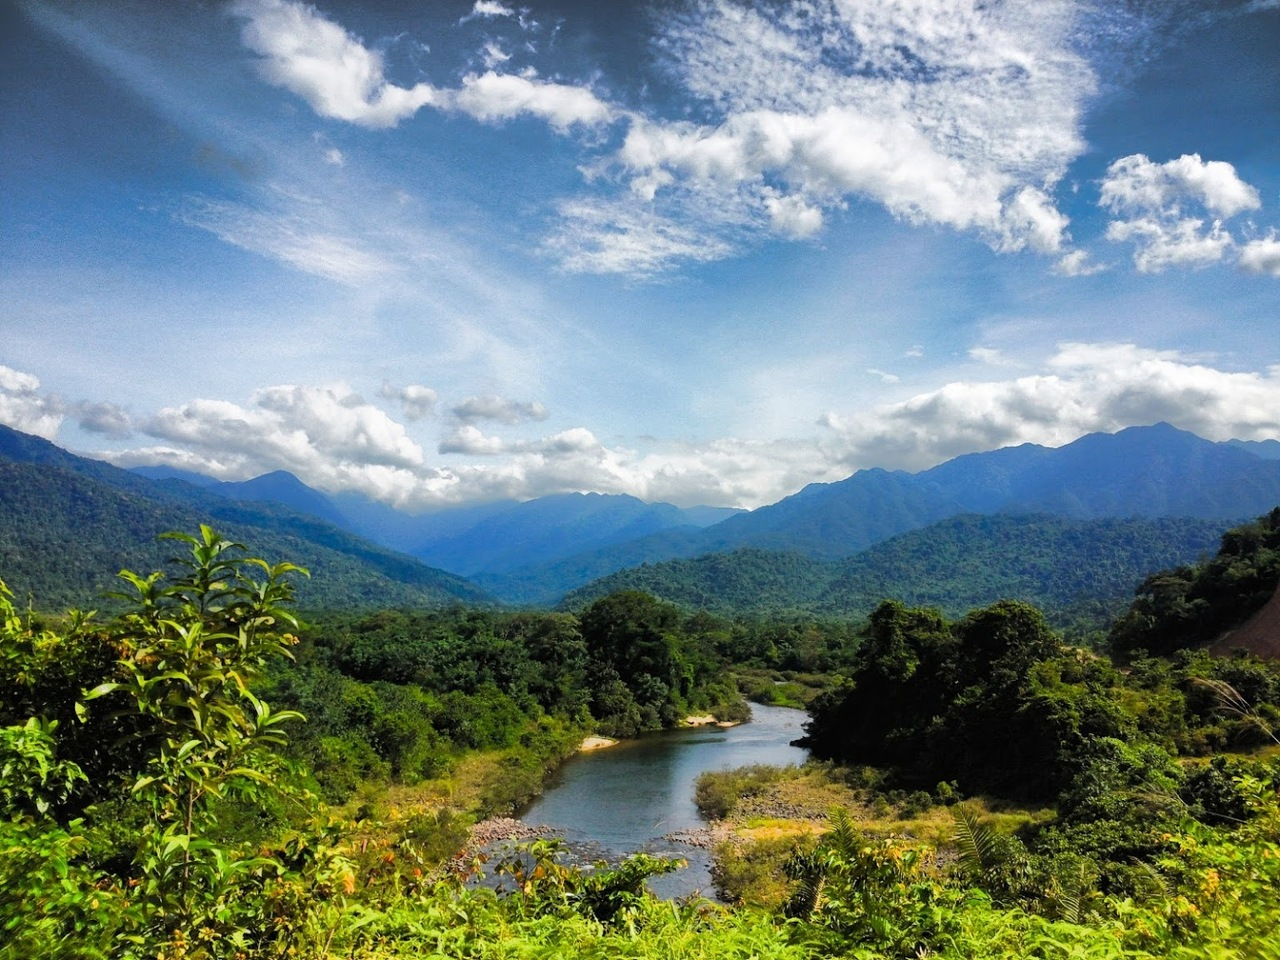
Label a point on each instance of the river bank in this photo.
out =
(638, 795)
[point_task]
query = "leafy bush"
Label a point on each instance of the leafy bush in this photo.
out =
(717, 792)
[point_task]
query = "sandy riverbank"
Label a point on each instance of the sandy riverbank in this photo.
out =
(707, 720)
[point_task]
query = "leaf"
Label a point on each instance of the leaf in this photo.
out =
(101, 690)
(976, 844)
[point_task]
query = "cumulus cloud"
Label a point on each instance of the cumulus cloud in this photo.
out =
(1262, 255)
(318, 60)
(105, 418)
(1161, 242)
(415, 400)
(793, 216)
(470, 439)
(315, 58)
(23, 407)
(1087, 388)
(340, 423)
(575, 440)
(959, 115)
(492, 407)
(493, 97)
(328, 436)
(1136, 184)
(1161, 209)
(487, 9)
(1077, 264)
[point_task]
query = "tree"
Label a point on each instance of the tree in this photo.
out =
(192, 648)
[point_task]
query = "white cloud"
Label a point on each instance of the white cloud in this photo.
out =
(470, 439)
(494, 55)
(1157, 205)
(492, 407)
(319, 61)
(104, 418)
(333, 156)
(309, 55)
(334, 440)
(489, 8)
(793, 217)
(1077, 264)
(955, 114)
(417, 401)
(574, 440)
(1031, 219)
(1087, 388)
(24, 408)
(1262, 255)
(328, 436)
(16, 382)
(1160, 243)
(1135, 184)
(340, 423)
(493, 97)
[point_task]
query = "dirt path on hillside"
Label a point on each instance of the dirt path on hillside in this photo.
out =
(1260, 634)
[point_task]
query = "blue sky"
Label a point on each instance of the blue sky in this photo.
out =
(703, 252)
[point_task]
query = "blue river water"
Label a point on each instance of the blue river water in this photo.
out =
(627, 798)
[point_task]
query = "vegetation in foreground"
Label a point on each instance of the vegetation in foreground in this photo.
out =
(155, 812)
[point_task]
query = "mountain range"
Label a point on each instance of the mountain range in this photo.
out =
(536, 552)
(1081, 573)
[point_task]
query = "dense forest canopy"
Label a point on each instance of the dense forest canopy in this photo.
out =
(1079, 572)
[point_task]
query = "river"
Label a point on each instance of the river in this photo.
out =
(626, 798)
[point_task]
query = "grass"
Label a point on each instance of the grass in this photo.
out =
(771, 812)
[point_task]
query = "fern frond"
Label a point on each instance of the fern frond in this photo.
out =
(975, 842)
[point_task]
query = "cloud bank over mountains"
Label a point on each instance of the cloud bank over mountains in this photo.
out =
(335, 440)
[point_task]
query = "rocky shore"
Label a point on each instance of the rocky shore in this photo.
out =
(497, 829)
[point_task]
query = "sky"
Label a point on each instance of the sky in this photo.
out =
(696, 251)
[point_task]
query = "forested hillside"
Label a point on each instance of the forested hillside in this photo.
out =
(67, 524)
(1081, 572)
(1193, 605)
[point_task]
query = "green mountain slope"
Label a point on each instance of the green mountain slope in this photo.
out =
(1069, 568)
(66, 523)
(1075, 569)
